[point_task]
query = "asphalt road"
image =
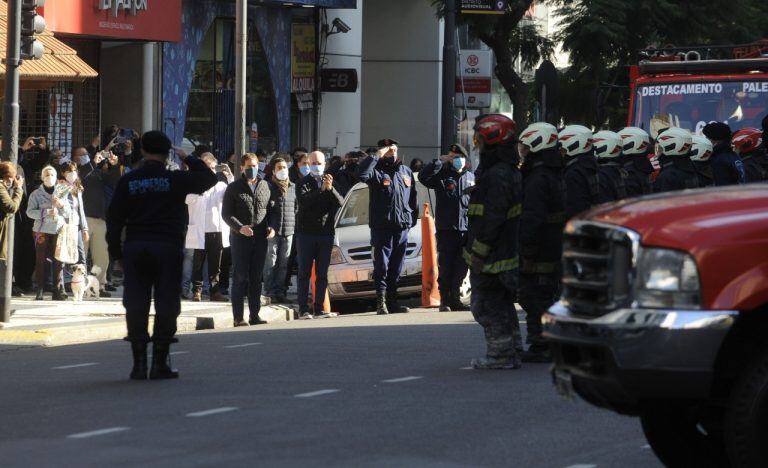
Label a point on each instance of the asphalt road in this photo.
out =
(353, 391)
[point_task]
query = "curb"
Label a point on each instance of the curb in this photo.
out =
(114, 329)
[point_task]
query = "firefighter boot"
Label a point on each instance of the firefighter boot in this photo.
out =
(161, 363)
(381, 304)
(393, 305)
(139, 371)
(445, 300)
(501, 352)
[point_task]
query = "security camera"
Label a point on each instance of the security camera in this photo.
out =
(341, 26)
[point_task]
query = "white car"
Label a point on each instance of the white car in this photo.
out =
(351, 272)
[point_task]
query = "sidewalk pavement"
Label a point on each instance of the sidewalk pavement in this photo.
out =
(48, 323)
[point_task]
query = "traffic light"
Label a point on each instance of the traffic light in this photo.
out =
(31, 24)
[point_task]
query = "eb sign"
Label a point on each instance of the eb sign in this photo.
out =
(338, 80)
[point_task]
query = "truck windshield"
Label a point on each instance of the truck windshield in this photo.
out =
(692, 105)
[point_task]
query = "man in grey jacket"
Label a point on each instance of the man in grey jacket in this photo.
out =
(284, 209)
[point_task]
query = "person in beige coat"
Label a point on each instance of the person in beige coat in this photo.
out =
(11, 192)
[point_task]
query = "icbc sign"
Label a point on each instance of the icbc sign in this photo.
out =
(149, 20)
(473, 79)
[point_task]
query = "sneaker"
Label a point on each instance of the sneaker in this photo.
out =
(110, 288)
(306, 316)
(104, 293)
(240, 323)
(197, 297)
(327, 315)
(488, 363)
(265, 300)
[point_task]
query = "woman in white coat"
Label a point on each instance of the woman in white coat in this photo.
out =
(208, 234)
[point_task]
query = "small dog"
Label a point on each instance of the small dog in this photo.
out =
(85, 285)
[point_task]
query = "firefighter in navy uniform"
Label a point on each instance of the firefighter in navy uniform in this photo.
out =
(701, 151)
(613, 176)
(582, 186)
(449, 177)
(393, 211)
(150, 204)
(491, 250)
(673, 148)
(541, 231)
(748, 144)
(727, 167)
(636, 145)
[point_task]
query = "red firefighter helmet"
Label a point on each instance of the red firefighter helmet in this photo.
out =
(495, 129)
(747, 140)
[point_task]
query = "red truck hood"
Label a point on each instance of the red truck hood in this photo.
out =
(692, 218)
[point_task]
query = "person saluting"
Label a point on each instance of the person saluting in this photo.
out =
(150, 205)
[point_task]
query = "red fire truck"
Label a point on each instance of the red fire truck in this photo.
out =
(691, 87)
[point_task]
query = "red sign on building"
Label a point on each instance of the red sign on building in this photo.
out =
(149, 20)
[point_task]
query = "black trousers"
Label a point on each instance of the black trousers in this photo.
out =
(536, 294)
(493, 307)
(212, 252)
(23, 252)
(226, 269)
(451, 265)
(152, 266)
(248, 256)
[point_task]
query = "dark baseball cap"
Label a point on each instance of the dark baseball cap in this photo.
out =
(156, 142)
(458, 149)
(387, 142)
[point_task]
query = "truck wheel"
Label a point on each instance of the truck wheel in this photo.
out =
(746, 420)
(675, 436)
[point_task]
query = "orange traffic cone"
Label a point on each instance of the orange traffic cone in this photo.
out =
(430, 293)
(327, 300)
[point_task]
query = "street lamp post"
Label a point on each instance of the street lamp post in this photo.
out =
(241, 57)
(448, 121)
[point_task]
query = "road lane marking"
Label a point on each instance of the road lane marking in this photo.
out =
(224, 409)
(646, 447)
(244, 345)
(317, 393)
(74, 366)
(99, 432)
(466, 368)
(403, 379)
(179, 352)
(582, 466)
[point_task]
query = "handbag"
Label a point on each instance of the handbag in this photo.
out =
(66, 244)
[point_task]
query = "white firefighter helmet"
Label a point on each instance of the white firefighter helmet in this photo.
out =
(539, 136)
(674, 141)
(701, 148)
(607, 144)
(635, 141)
(575, 139)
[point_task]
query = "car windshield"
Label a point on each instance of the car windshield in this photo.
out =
(691, 106)
(355, 209)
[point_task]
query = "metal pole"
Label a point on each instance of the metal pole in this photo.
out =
(448, 121)
(241, 57)
(10, 140)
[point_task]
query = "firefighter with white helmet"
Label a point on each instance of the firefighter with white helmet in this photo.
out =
(636, 146)
(582, 187)
(673, 147)
(541, 231)
(613, 177)
(701, 151)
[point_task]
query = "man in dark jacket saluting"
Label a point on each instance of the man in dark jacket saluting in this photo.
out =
(149, 203)
(393, 211)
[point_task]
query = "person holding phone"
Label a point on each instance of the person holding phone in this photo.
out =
(246, 209)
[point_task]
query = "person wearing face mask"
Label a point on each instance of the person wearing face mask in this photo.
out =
(50, 214)
(284, 209)
(11, 193)
(68, 177)
(318, 202)
(148, 211)
(207, 233)
(246, 209)
(394, 211)
(452, 182)
(299, 159)
(96, 176)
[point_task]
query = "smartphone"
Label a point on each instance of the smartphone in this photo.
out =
(37, 141)
(221, 167)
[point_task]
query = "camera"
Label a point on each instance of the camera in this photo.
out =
(341, 26)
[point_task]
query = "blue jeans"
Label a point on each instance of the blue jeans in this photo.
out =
(248, 254)
(389, 247)
(276, 265)
(313, 248)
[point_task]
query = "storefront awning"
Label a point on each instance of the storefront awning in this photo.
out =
(59, 63)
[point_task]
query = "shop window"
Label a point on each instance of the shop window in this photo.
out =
(211, 108)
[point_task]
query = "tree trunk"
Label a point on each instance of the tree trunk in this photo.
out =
(513, 84)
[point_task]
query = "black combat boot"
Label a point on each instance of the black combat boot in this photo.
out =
(59, 294)
(456, 304)
(40, 296)
(445, 300)
(538, 352)
(501, 353)
(381, 304)
(161, 363)
(139, 371)
(394, 306)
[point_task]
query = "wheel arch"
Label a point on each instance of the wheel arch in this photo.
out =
(744, 343)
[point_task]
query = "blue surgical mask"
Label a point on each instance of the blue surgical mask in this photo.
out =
(251, 173)
(304, 170)
(459, 163)
(317, 170)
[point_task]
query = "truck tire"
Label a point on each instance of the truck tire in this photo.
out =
(673, 433)
(746, 419)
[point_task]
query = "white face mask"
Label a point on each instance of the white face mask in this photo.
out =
(84, 159)
(71, 177)
(282, 174)
(49, 181)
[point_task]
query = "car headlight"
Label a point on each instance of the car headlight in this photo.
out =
(336, 256)
(667, 279)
